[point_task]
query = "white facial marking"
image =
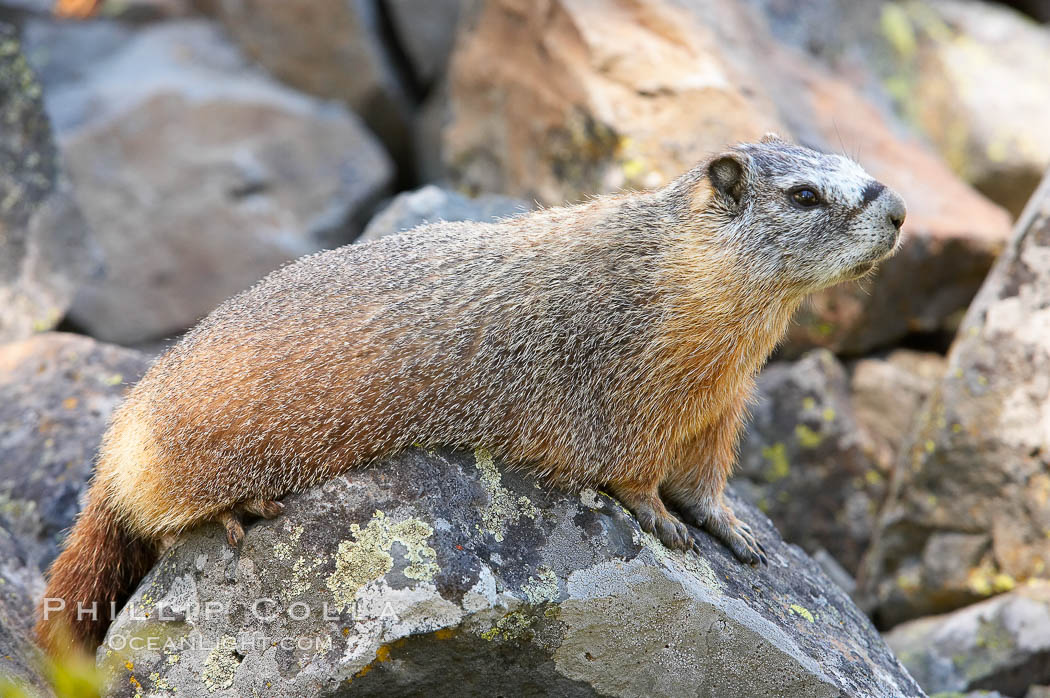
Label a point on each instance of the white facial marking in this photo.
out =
(838, 180)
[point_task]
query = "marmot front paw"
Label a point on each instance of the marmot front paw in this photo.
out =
(719, 521)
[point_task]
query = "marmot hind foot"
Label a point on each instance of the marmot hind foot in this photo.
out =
(231, 519)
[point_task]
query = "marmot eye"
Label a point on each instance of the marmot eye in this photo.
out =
(805, 197)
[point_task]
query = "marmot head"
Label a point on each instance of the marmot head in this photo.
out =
(799, 217)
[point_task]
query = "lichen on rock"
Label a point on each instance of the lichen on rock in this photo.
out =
(417, 594)
(367, 556)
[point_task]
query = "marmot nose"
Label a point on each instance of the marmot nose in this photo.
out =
(895, 209)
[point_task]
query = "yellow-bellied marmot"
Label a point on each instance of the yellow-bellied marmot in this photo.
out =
(613, 344)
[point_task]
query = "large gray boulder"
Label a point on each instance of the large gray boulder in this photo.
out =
(45, 248)
(198, 173)
(444, 574)
(336, 49)
(56, 394)
(967, 514)
(1002, 644)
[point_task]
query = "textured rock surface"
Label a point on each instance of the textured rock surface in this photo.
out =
(887, 393)
(1001, 644)
(330, 48)
(555, 101)
(430, 204)
(443, 570)
(199, 175)
(20, 583)
(946, 56)
(56, 394)
(968, 75)
(806, 463)
(968, 511)
(45, 248)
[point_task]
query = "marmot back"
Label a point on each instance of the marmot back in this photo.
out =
(610, 344)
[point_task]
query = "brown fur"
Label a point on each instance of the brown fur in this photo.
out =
(101, 565)
(611, 344)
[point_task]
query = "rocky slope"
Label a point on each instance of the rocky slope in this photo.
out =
(161, 155)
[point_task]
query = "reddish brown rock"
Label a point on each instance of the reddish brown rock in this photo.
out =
(554, 101)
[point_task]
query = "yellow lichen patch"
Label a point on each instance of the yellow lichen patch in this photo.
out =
(985, 580)
(444, 634)
(382, 655)
(301, 580)
(778, 463)
(1003, 582)
(283, 550)
(541, 588)
(221, 664)
(802, 612)
(898, 30)
(367, 556)
(509, 627)
(808, 438)
(980, 579)
(502, 509)
(908, 581)
(159, 683)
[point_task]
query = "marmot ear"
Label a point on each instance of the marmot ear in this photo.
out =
(771, 137)
(729, 175)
